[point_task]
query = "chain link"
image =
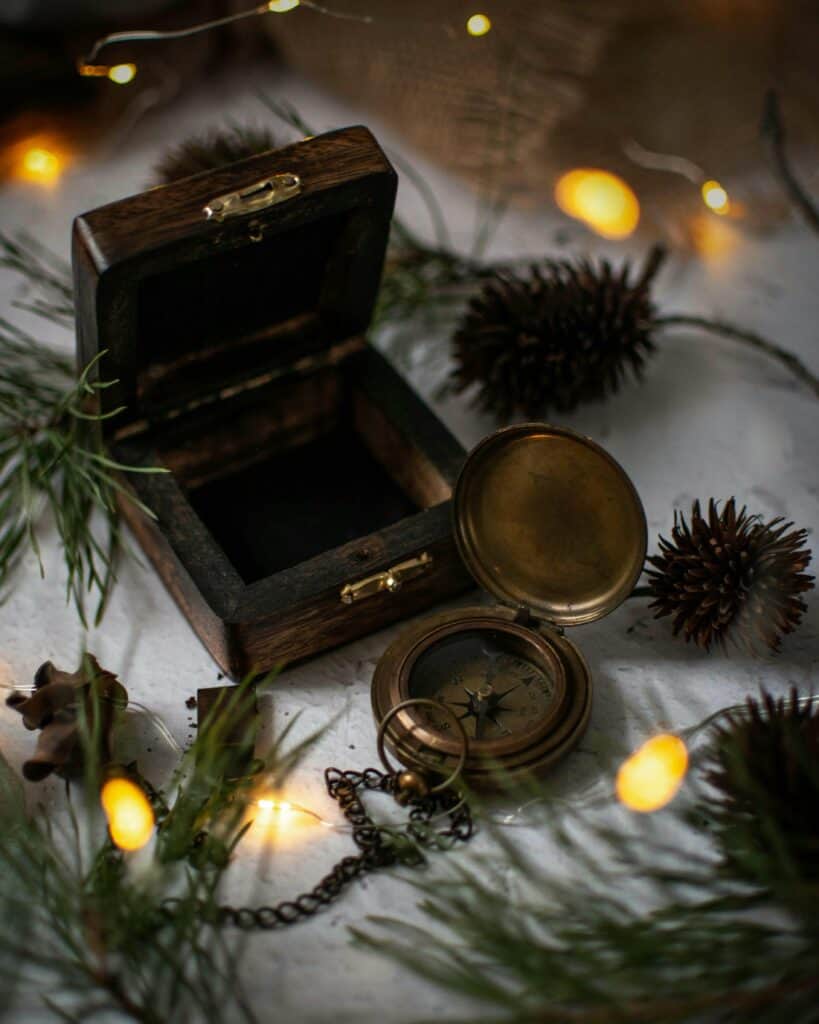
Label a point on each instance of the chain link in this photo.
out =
(381, 847)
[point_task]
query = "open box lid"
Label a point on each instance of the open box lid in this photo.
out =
(197, 287)
(546, 520)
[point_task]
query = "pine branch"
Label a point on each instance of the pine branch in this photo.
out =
(773, 132)
(52, 459)
(79, 923)
(792, 363)
(43, 271)
(637, 929)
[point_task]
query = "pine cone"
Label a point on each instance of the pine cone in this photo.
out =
(566, 334)
(765, 766)
(731, 577)
(212, 151)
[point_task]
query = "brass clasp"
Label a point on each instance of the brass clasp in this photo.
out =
(258, 196)
(390, 580)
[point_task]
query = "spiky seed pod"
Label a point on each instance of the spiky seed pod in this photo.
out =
(565, 334)
(212, 151)
(765, 767)
(731, 578)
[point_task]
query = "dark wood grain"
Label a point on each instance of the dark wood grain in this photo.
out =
(123, 251)
(240, 351)
(298, 612)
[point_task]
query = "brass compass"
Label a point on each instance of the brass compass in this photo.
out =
(550, 525)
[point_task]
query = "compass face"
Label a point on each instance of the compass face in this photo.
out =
(483, 677)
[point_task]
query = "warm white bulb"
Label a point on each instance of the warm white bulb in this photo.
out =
(122, 74)
(603, 201)
(282, 6)
(478, 25)
(130, 815)
(39, 163)
(715, 197)
(650, 778)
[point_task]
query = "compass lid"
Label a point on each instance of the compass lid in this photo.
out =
(545, 519)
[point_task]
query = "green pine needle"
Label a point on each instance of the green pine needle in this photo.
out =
(636, 921)
(44, 272)
(86, 930)
(53, 461)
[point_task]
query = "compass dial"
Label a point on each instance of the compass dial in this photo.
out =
(480, 674)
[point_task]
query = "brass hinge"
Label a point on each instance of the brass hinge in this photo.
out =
(525, 618)
(390, 580)
(257, 196)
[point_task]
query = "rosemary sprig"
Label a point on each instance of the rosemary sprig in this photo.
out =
(52, 459)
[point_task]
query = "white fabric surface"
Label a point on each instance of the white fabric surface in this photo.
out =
(710, 419)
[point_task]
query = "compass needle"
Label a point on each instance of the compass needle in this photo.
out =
(508, 673)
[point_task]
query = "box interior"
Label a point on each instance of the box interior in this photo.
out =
(305, 465)
(228, 315)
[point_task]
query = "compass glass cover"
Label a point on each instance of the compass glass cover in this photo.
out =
(482, 676)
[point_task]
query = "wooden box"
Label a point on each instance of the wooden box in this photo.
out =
(307, 501)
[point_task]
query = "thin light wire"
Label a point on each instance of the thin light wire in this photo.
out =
(158, 723)
(663, 162)
(598, 794)
(154, 35)
(130, 705)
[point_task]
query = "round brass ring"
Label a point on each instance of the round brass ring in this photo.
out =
(415, 702)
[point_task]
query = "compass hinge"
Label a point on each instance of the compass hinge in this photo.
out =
(525, 618)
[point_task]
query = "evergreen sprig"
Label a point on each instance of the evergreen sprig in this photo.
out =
(659, 921)
(90, 932)
(52, 455)
(44, 272)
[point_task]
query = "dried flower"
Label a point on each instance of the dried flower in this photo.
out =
(731, 577)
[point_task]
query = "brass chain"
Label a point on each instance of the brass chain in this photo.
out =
(381, 847)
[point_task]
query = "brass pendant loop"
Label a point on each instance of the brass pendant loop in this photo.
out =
(439, 706)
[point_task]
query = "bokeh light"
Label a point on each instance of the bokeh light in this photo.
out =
(282, 6)
(122, 74)
(130, 815)
(478, 25)
(38, 161)
(715, 197)
(650, 778)
(600, 199)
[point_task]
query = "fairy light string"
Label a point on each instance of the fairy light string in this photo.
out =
(261, 10)
(608, 205)
(666, 758)
(713, 194)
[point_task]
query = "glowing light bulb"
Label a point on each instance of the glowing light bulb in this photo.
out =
(478, 25)
(715, 197)
(282, 6)
(650, 778)
(39, 164)
(122, 74)
(130, 815)
(601, 200)
(270, 807)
